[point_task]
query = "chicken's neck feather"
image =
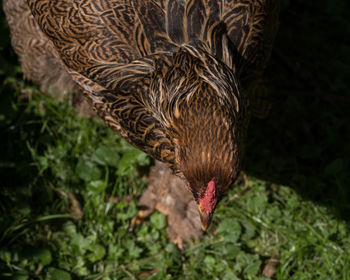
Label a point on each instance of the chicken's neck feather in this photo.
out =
(197, 99)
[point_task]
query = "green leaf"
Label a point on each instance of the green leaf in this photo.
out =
(80, 266)
(130, 160)
(115, 252)
(253, 268)
(5, 256)
(130, 211)
(57, 274)
(231, 229)
(273, 213)
(231, 251)
(97, 186)
(257, 203)
(87, 170)
(134, 250)
(230, 276)
(80, 243)
(249, 262)
(105, 155)
(43, 255)
(158, 220)
(70, 228)
(249, 230)
(209, 262)
(97, 252)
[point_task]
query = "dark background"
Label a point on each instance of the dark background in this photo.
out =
(305, 141)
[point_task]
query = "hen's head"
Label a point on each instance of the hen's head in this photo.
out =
(207, 121)
(210, 164)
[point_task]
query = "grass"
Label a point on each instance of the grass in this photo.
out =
(69, 186)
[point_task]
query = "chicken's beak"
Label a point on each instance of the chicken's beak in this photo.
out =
(205, 218)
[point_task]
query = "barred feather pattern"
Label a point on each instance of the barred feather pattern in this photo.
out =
(168, 76)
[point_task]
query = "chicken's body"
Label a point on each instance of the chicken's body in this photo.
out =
(171, 77)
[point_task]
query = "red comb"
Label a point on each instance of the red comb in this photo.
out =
(208, 200)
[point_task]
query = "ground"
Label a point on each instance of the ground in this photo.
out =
(70, 186)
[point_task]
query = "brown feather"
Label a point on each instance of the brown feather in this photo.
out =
(171, 77)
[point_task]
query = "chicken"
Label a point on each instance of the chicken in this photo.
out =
(174, 78)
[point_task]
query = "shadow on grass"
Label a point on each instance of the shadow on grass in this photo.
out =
(23, 195)
(305, 150)
(305, 141)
